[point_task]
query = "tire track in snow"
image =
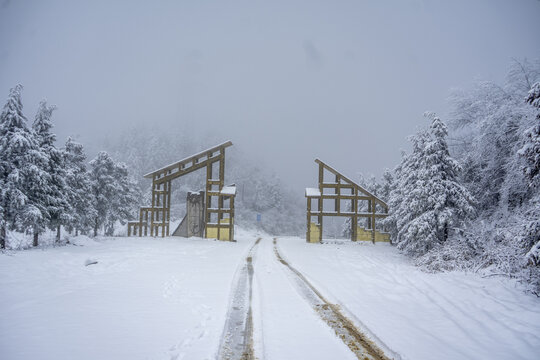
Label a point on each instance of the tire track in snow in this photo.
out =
(330, 313)
(237, 339)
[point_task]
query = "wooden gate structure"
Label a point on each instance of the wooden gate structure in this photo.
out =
(219, 215)
(341, 189)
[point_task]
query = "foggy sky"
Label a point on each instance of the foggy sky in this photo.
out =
(286, 81)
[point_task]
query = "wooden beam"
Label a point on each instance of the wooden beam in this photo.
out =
(193, 158)
(190, 169)
(343, 177)
(348, 214)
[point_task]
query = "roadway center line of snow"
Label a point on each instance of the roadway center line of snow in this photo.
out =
(237, 339)
(330, 313)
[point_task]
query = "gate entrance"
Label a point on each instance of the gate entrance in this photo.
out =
(218, 204)
(345, 197)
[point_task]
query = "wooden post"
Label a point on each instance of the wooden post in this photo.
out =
(337, 192)
(146, 223)
(308, 232)
(321, 201)
(164, 209)
(372, 202)
(221, 168)
(231, 219)
(154, 194)
(208, 203)
(354, 219)
(221, 183)
(140, 222)
(168, 206)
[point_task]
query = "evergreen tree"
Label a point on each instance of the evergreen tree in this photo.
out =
(387, 185)
(531, 149)
(21, 172)
(394, 199)
(432, 201)
(112, 195)
(124, 200)
(53, 194)
(78, 188)
(531, 152)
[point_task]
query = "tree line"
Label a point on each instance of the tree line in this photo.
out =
(45, 187)
(467, 196)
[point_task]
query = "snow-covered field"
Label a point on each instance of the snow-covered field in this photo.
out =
(146, 298)
(154, 298)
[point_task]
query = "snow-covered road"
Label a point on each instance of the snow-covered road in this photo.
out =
(173, 299)
(286, 326)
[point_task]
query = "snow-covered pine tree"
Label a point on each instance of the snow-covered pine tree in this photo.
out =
(385, 188)
(78, 188)
(112, 192)
(531, 152)
(432, 199)
(123, 202)
(406, 182)
(21, 172)
(387, 185)
(54, 193)
(394, 199)
(531, 149)
(102, 178)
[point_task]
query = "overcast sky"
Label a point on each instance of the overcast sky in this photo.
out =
(286, 81)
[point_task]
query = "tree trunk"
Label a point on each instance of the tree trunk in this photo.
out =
(58, 234)
(76, 231)
(3, 237)
(36, 236)
(95, 228)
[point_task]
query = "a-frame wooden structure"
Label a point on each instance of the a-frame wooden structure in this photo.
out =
(219, 216)
(338, 189)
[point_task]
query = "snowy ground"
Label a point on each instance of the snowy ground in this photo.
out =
(170, 298)
(420, 315)
(146, 298)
